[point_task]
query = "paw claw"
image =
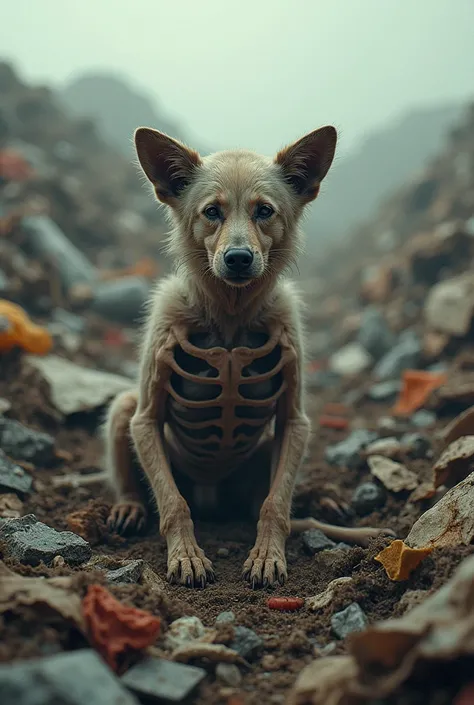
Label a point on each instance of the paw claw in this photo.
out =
(188, 565)
(127, 518)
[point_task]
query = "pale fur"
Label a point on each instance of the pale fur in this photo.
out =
(198, 295)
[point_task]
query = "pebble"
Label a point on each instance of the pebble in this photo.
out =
(69, 678)
(350, 620)
(388, 447)
(351, 360)
(183, 631)
(384, 391)
(223, 552)
(374, 334)
(246, 642)
(22, 443)
(405, 354)
(347, 453)
(229, 674)
(423, 418)
(417, 445)
(30, 541)
(225, 617)
(315, 540)
(162, 681)
(368, 497)
(129, 573)
(13, 478)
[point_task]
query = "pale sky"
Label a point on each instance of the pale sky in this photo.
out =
(256, 73)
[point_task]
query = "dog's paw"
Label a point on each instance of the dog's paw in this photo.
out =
(265, 566)
(188, 565)
(127, 518)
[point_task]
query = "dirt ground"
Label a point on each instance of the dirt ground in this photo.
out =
(291, 640)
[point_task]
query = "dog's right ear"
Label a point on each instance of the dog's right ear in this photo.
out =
(167, 163)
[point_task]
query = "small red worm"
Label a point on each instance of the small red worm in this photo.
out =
(288, 604)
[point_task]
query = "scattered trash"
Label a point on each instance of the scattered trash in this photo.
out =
(416, 390)
(405, 354)
(399, 560)
(17, 330)
(285, 604)
(319, 602)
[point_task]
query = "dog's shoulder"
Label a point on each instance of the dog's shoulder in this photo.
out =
(286, 303)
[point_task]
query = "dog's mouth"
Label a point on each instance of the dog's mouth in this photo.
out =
(239, 280)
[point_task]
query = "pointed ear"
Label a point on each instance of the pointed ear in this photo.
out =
(167, 163)
(306, 162)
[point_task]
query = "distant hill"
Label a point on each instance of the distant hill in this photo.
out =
(118, 108)
(358, 183)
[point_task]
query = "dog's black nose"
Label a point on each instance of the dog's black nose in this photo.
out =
(238, 259)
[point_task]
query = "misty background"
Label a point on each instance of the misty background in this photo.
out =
(391, 75)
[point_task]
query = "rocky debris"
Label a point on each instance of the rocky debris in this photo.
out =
(323, 599)
(315, 540)
(423, 419)
(225, 617)
(131, 572)
(22, 443)
(384, 391)
(223, 552)
(185, 630)
(374, 334)
(416, 445)
(163, 681)
(77, 389)
(399, 560)
(348, 453)
(388, 447)
(368, 497)
(405, 354)
(30, 541)
(229, 674)
(351, 619)
(246, 643)
(455, 462)
(13, 478)
(394, 476)
(11, 507)
(449, 306)
(350, 361)
(70, 678)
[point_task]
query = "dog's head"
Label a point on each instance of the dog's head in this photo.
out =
(236, 212)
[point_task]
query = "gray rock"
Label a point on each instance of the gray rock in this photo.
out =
(350, 360)
(223, 552)
(350, 620)
(347, 453)
(246, 643)
(162, 681)
(405, 354)
(229, 674)
(342, 546)
(417, 445)
(129, 573)
(70, 678)
(225, 617)
(12, 477)
(423, 418)
(22, 443)
(374, 334)
(384, 391)
(368, 497)
(315, 540)
(30, 541)
(321, 379)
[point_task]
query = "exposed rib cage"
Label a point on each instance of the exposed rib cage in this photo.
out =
(220, 401)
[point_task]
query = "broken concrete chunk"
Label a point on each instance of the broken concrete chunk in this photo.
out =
(30, 541)
(22, 443)
(450, 522)
(368, 497)
(394, 476)
(13, 478)
(455, 463)
(75, 388)
(129, 573)
(350, 620)
(350, 360)
(450, 305)
(323, 599)
(314, 541)
(162, 681)
(405, 354)
(71, 678)
(347, 453)
(246, 643)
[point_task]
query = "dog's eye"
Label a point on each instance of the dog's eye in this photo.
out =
(212, 213)
(263, 211)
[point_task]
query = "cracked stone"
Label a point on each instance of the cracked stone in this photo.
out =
(246, 642)
(22, 443)
(13, 478)
(350, 620)
(347, 453)
(315, 540)
(129, 573)
(163, 681)
(368, 497)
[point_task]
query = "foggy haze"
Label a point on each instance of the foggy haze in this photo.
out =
(256, 73)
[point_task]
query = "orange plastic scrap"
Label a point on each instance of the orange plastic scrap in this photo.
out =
(416, 389)
(399, 560)
(115, 629)
(17, 330)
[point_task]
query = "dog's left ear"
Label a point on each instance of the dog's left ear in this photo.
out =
(306, 162)
(167, 163)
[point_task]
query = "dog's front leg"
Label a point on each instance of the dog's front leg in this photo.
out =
(187, 563)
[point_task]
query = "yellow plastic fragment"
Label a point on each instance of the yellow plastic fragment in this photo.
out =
(399, 560)
(18, 330)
